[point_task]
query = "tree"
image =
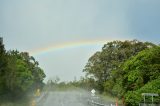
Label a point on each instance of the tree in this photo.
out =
(19, 74)
(142, 68)
(105, 66)
(3, 67)
(18, 77)
(141, 75)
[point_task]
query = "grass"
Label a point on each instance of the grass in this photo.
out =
(7, 103)
(4, 101)
(108, 98)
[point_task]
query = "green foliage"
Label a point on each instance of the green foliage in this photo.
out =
(142, 75)
(142, 68)
(122, 69)
(19, 74)
(152, 86)
(105, 66)
(132, 98)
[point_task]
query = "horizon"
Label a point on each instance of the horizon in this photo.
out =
(56, 32)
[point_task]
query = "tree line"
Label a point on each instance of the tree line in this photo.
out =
(124, 69)
(20, 74)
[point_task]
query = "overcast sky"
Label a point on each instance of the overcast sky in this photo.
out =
(28, 25)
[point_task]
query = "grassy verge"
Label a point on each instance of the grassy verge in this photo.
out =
(17, 103)
(107, 98)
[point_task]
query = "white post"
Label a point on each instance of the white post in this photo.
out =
(144, 99)
(152, 99)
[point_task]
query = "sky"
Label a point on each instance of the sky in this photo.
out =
(63, 34)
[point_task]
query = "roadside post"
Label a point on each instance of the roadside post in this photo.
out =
(38, 93)
(117, 102)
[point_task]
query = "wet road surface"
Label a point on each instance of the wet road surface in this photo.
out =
(67, 98)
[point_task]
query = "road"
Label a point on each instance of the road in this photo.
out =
(66, 98)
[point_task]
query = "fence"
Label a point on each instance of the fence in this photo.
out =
(148, 104)
(95, 103)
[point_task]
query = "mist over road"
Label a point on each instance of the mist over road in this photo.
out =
(66, 98)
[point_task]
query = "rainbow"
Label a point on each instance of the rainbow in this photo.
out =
(66, 45)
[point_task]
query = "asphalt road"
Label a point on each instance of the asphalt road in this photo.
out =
(67, 98)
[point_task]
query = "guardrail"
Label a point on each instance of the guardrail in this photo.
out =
(93, 103)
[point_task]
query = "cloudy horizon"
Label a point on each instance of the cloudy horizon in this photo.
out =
(28, 25)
